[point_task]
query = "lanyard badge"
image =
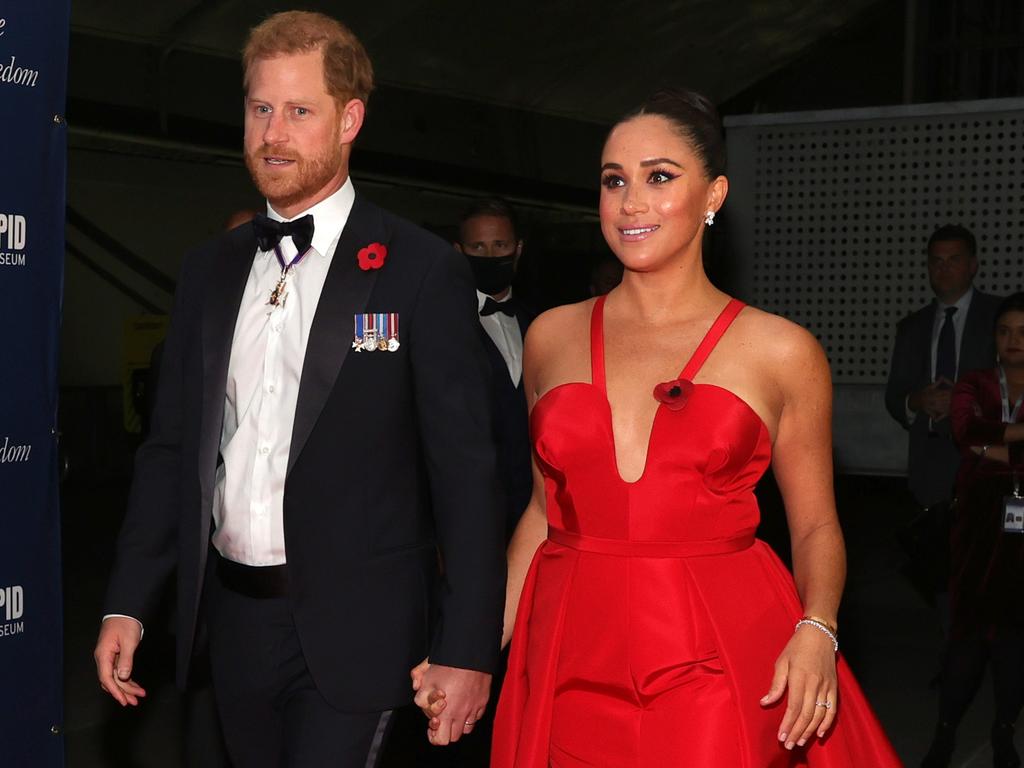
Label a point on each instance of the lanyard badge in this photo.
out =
(1013, 505)
(1013, 511)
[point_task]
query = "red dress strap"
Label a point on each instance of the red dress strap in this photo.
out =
(714, 334)
(597, 344)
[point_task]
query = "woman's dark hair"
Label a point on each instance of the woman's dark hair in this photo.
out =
(695, 118)
(1012, 303)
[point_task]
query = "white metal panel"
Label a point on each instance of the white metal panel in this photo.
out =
(831, 213)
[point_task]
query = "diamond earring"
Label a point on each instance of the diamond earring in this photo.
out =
(709, 218)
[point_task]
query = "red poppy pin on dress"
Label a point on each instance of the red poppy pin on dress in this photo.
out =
(372, 256)
(674, 394)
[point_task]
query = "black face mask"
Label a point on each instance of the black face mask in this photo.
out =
(492, 274)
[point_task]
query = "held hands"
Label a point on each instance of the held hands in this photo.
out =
(115, 651)
(453, 699)
(435, 699)
(807, 667)
(934, 399)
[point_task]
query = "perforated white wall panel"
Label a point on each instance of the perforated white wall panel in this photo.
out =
(843, 210)
(830, 214)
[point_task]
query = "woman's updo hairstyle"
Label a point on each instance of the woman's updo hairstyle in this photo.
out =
(695, 118)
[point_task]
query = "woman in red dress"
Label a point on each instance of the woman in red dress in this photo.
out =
(987, 556)
(650, 627)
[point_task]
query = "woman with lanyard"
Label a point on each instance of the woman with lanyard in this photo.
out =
(987, 574)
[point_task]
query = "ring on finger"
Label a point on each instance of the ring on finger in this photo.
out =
(826, 704)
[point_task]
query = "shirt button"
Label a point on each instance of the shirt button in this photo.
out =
(276, 327)
(271, 389)
(265, 450)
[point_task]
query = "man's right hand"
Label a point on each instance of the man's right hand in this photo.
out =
(114, 654)
(933, 400)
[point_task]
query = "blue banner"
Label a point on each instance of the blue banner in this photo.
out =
(33, 83)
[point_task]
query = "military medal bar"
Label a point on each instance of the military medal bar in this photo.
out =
(376, 331)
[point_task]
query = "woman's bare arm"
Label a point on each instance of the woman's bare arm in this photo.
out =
(802, 461)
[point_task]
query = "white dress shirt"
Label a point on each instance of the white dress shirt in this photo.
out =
(264, 371)
(262, 389)
(963, 304)
(504, 332)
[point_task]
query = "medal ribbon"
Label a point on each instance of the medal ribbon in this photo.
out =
(381, 326)
(285, 266)
(277, 295)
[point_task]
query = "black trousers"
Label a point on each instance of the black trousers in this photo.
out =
(964, 667)
(926, 540)
(272, 714)
(203, 737)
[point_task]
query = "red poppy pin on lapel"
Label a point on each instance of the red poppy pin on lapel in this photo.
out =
(372, 256)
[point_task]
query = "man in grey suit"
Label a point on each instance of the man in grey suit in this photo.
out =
(934, 347)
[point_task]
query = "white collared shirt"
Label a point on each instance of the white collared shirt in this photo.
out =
(264, 371)
(504, 332)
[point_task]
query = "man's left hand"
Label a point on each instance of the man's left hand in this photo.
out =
(465, 694)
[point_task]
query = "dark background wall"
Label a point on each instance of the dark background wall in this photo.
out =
(484, 100)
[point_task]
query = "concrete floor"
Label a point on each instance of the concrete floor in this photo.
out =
(891, 637)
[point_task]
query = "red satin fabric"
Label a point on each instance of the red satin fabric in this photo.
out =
(651, 618)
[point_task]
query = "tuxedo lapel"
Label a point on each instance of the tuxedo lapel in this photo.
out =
(229, 273)
(499, 367)
(345, 294)
(524, 324)
(493, 353)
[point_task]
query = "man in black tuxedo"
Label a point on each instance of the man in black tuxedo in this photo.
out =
(935, 346)
(489, 238)
(321, 430)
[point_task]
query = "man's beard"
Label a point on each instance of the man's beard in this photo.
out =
(305, 179)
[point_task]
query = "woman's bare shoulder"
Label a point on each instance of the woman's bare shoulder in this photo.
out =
(555, 347)
(777, 339)
(551, 327)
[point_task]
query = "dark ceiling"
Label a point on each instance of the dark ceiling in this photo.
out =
(515, 97)
(495, 97)
(582, 60)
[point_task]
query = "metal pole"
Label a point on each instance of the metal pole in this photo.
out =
(909, 50)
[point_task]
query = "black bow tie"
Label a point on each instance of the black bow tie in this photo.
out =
(269, 232)
(491, 306)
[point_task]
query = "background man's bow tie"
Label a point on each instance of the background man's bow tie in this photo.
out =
(491, 306)
(269, 232)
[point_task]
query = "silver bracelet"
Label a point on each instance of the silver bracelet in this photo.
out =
(821, 628)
